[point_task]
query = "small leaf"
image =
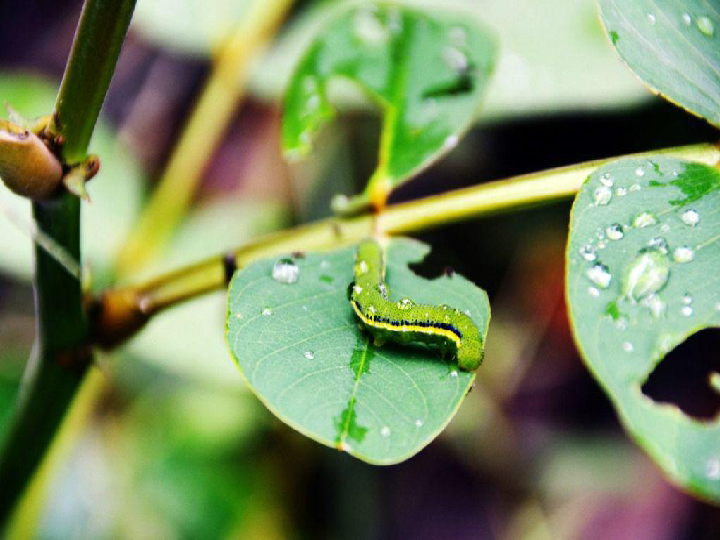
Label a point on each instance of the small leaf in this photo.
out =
(426, 72)
(642, 278)
(674, 47)
(302, 352)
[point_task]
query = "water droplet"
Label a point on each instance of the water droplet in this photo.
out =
(615, 231)
(383, 289)
(266, 312)
(640, 171)
(664, 227)
(369, 29)
(285, 271)
(372, 309)
(606, 179)
(324, 264)
(357, 289)
(687, 299)
(405, 303)
(385, 432)
(634, 187)
(455, 58)
(451, 142)
(602, 195)
(418, 422)
(660, 244)
(587, 252)
(644, 219)
(599, 275)
(312, 103)
(305, 308)
(686, 311)
(687, 19)
(310, 84)
(712, 468)
(362, 267)
(683, 254)
(651, 18)
(690, 217)
(656, 305)
(621, 192)
(706, 26)
(646, 274)
(309, 355)
(454, 374)
(628, 347)
(467, 312)
(592, 291)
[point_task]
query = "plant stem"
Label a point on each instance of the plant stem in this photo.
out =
(62, 353)
(207, 123)
(120, 313)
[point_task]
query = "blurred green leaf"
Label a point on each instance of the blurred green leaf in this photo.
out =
(427, 73)
(642, 278)
(553, 56)
(301, 350)
(674, 47)
(116, 191)
(190, 26)
(202, 353)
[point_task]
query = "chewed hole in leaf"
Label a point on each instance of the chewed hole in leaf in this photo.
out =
(683, 376)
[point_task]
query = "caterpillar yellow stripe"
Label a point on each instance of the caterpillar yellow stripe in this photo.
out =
(444, 327)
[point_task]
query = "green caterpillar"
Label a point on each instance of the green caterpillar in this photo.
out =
(450, 330)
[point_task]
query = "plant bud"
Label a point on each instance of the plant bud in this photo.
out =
(27, 167)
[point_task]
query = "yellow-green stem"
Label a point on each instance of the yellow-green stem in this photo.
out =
(125, 310)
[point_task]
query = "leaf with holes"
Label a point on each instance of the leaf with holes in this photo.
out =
(641, 278)
(674, 47)
(302, 352)
(426, 72)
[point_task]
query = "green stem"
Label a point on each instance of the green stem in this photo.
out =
(122, 312)
(62, 355)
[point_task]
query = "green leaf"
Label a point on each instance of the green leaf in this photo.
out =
(301, 350)
(426, 72)
(642, 278)
(674, 47)
(554, 56)
(116, 191)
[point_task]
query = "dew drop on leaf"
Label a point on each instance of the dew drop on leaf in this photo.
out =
(646, 274)
(683, 254)
(690, 217)
(385, 432)
(266, 312)
(615, 231)
(659, 243)
(640, 171)
(644, 219)
(706, 26)
(651, 18)
(285, 271)
(587, 252)
(712, 468)
(606, 179)
(599, 275)
(628, 347)
(602, 195)
(309, 355)
(686, 311)
(455, 58)
(687, 19)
